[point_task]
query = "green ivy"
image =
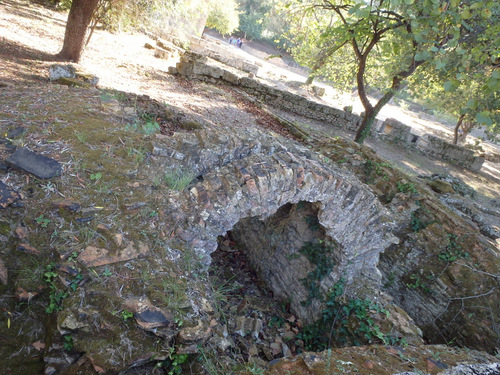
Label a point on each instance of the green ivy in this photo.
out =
(346, 321)
(321, 255)
(453, 250)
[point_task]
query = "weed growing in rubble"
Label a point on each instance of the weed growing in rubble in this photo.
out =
(177, 179)
(173, 362)
(42, 221)
(453, 250)
(146, 125)
(345, 321)
(406, 187)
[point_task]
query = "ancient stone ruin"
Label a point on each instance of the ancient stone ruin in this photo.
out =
(274, 247)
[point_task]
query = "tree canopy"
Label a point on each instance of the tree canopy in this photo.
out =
(223, 16)
(380, 44)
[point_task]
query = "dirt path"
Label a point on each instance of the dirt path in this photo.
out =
(31, 34)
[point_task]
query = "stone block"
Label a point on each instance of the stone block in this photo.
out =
(320, 91)
(476, 164)
(88, 78)
(57, 71)
(230, 77)
(184, 68)
(396, 130)
(35, 164)
(162, 53)
(249, 68)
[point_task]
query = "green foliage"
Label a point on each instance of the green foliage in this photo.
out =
(320, 254)
(106, 272)
(223, 16)
(263, 20)
(406, 187)
(418, 221)
(154, 15)
(177, 179)
(139, 153)
(346, 321)
(68, 343)
(96, 176)
(173, 362)
(418, 283)
(42, 221)
(126, 315)
(276, 321)
(56, 296)
(391, 277)
(312, 222)
(254, 369)
(379, 45)
(64, 4)
(453, 250)
(81, 137)
(374, 169)
(146, 125)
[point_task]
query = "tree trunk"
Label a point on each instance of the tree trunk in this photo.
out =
(457, 127)
(79, 18)
(92, 28)
(370, 113)
(366, 125)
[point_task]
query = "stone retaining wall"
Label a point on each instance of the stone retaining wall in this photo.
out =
(432, 146)
(192, 64)
(199, 66)
(436, 147)
(222, 53)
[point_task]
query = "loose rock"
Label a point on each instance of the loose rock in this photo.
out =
(38, 165)
(57, 71)
(7, 195)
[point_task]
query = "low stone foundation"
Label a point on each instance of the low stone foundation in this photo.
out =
(458, 155)
(200, 67)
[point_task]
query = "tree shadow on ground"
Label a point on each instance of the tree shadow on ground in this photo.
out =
(22, 10)
(22, 63)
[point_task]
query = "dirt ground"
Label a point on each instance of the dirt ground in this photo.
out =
(30, 35)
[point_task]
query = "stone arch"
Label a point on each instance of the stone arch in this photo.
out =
(258, 185)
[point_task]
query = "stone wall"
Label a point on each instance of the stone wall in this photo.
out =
(458, 155)
(432, 146)
(222, 53)
(255, 181)
(195, 65)
(199, 66)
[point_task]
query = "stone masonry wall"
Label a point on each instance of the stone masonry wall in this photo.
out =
(219, 52)
(257, 181)
(199, 66)
(192, 64)
(458, 155)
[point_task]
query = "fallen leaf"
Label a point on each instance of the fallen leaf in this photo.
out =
(25, 248)
(21, 233)
(38, 345)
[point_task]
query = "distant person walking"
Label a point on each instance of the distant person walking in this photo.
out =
(231, 40)
(239, 43)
